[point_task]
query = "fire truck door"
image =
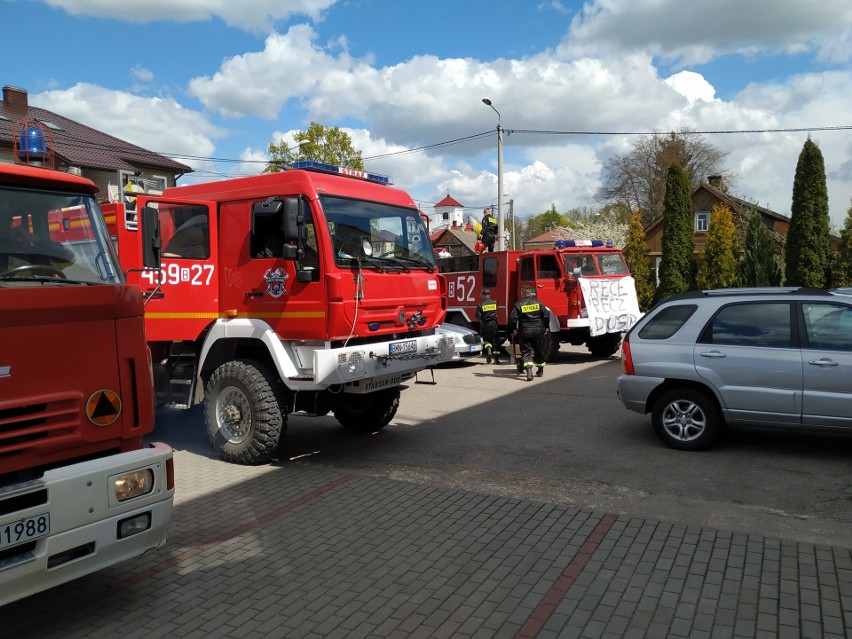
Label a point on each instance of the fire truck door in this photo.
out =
(549, 281)
(296, 308)
(187, 299)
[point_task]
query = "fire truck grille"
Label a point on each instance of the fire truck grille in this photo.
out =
(21, 426)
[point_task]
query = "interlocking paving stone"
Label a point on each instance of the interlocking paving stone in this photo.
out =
(303, 551)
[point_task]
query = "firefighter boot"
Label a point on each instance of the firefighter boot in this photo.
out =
(540, 372)
(529, 373)
(487, 355)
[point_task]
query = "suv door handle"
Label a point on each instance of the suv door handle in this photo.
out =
(823, 361)
(713, 354)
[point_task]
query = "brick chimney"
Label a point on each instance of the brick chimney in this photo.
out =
(15, 100)
(715, 181)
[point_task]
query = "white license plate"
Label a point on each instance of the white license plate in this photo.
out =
(409, 346)
(24, 530)
(475, 349)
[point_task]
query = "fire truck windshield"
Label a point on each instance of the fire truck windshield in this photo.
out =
(51, 236)
(397, 234)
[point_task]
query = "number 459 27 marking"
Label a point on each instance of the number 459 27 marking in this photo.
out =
(174, 273)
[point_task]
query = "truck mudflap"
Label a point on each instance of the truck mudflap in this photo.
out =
(69, 523)
(380, 361)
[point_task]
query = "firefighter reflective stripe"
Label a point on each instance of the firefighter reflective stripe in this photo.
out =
(103, 407)
(489, 307)
(530, 308)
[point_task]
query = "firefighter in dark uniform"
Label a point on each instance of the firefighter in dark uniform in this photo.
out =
(530, 321)
(489, 230)
(486, 313)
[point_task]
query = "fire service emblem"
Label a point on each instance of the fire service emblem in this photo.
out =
(275, 280)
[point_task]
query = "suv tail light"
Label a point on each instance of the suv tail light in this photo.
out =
(626, 359)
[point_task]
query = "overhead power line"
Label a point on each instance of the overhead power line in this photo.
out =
(709, 132)
(76, 142)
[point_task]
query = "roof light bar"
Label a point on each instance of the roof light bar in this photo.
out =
(572, 243)
(322, 167)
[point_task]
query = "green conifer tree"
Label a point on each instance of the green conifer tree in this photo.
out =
(677, 267)
(719, 267)
(637, 255)
(759, 266)
(809, 238)
(841, 266)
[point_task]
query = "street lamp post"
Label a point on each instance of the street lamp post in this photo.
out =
(501, 243)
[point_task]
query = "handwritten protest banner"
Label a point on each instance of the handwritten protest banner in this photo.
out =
(612, 304)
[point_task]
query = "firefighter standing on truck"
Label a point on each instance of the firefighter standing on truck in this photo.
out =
(489, 230)
(529, 322)
(486, 314)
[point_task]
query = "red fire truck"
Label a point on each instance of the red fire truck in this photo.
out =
(79, 490)
(311, 290)
(585, 284)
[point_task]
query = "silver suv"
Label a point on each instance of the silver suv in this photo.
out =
(776, 356)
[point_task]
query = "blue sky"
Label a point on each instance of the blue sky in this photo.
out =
(212, 82)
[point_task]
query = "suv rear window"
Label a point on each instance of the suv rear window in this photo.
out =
(667, 322)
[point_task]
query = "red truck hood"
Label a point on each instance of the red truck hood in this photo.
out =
(61, 370)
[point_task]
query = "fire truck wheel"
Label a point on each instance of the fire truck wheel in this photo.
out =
(366, 413)
(245, 409)
(552, 347)
(604, 345)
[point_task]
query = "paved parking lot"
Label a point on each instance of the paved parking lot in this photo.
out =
(303, 550)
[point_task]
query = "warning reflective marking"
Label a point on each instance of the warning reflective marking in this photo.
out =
(103, 407)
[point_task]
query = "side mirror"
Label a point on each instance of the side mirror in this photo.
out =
(292, 219)
(152, 243)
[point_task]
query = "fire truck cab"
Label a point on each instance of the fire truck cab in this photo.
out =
(312, 290)
(80, 489)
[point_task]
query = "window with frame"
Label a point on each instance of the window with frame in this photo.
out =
(828, 326)
(702, 221)
(489, 272)
(185, 231)
(527, 273)
(766, 324)
(667, 322)
(548, 266)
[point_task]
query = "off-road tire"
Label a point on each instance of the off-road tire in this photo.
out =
(604, 345)
(366, 413)
(686, 419)
(552, 347)
(245, 411)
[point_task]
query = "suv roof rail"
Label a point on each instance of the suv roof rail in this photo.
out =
(755, 290)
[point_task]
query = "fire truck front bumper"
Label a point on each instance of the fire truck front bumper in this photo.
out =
(369, 367)
(85, 521)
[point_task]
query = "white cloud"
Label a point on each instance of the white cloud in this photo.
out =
(696, 32)
(692, 86)
(260, 83)
(142, 74)
(251, 15)
(158, 124)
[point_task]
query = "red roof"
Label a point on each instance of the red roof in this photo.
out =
(448, 201)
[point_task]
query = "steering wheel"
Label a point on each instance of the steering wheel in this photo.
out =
(36, 269)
